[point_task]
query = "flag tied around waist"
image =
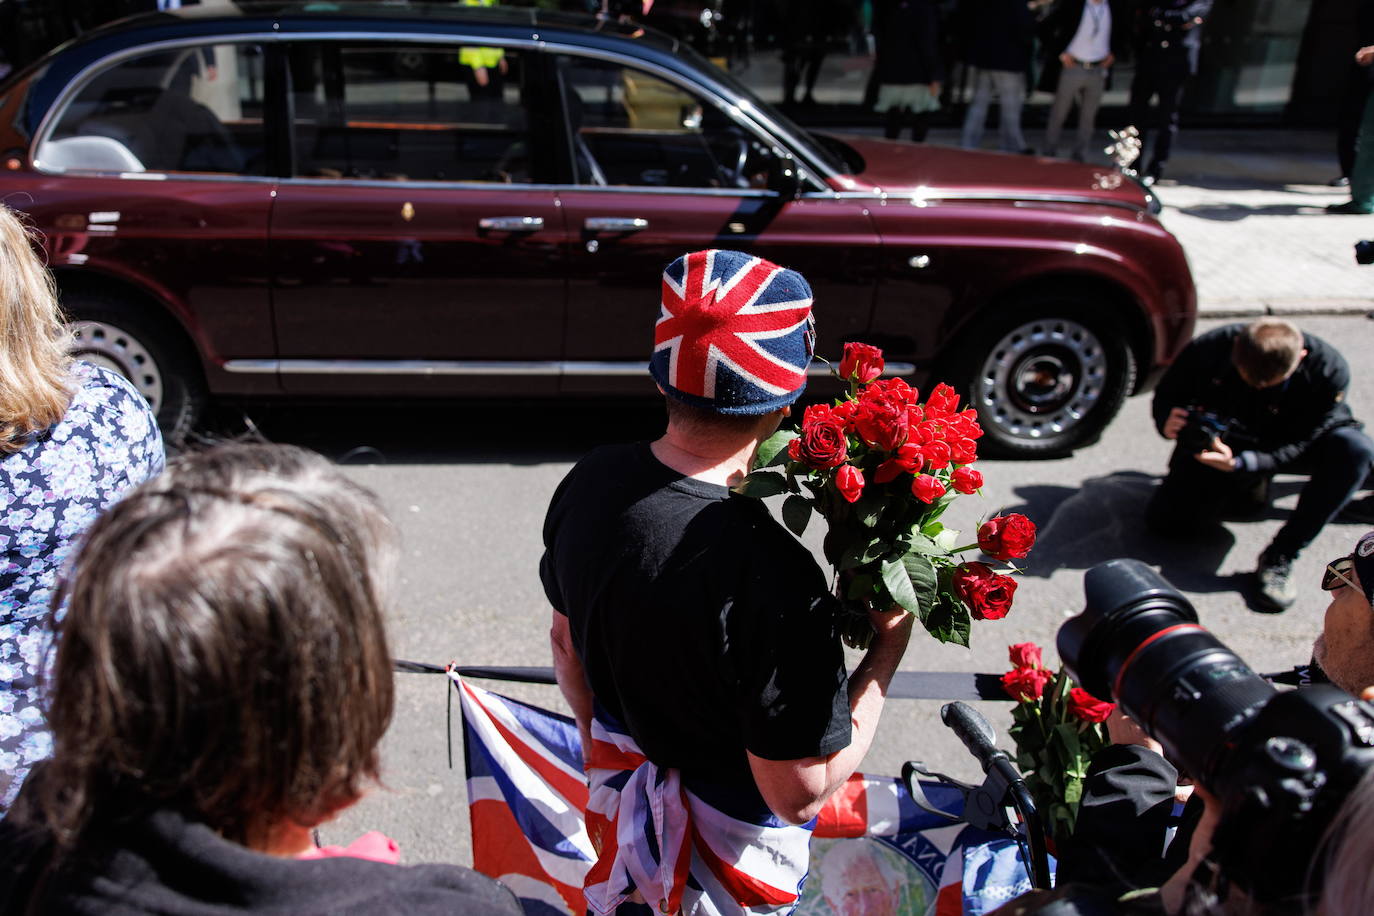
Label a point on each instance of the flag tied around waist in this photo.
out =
(873, 850)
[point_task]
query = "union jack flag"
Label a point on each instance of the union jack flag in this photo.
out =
(528, 800)
(735, 333)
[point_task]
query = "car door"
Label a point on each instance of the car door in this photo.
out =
(660, 168)
(416, 249)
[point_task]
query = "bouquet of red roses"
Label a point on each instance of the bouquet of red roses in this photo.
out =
(1057, 729)
(881, 468)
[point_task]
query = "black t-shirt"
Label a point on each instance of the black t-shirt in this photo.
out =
(704, 626)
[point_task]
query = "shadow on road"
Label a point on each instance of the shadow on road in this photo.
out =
(1230, 213)
(449, 432)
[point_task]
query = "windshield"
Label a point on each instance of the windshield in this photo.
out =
(820, 150)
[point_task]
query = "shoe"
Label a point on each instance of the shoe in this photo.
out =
(1350, 207)
(1360, 511)
(1339, 182)
(1277, 590)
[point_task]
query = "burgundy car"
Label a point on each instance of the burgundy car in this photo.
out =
(383, 201)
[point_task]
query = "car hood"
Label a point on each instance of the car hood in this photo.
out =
(902, 169)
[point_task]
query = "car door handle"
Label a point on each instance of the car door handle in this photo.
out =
(511, 223)
(615, 224)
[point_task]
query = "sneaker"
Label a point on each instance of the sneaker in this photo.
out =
(1360, 511)
(1339, 182)
(1350, 207)
(1277, 590)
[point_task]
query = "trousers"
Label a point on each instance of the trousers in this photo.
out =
(1082, 86)
(1166, 79)
(1010, 88)
(1193, 495)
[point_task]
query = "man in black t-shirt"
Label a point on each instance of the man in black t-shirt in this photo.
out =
(691, 629)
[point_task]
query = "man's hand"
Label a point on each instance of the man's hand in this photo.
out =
(893, 624)
(1365, 56)
(1178, 418)
(935, 90)
(1108, 60)
(1217, 457)
(1122, 729)
(1067, 60)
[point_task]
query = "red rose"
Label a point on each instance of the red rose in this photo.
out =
(1026, 683)
(1088, 707)
(964, 424)
(926, 488)
(936, 455)
(966, 480)
(943, 401)
(861, 363)
(987, 594)
(818, 413)
(895, 389)
(821, 445)
(849, 480)
(1024, 655)
(1007, 536)
(963, 451)
(881, 423)
(925, 432)
(905, 461)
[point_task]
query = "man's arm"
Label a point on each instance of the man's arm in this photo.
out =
(572, 680)
(796, 790)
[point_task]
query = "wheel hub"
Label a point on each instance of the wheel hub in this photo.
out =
(111, 347)
(1041, 379)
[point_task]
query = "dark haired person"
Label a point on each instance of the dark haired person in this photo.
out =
(1168, 36)
(221, 684)
(694, 638)
(1280, 394)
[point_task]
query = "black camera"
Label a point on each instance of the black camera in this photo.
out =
(1281, 764)
(1364, 251)
(1200, 428)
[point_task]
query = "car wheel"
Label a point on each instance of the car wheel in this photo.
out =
(107, 334)
(1045, 379)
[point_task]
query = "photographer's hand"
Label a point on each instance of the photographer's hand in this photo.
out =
(1218, 457)
(1122, 729)
(1178, 418)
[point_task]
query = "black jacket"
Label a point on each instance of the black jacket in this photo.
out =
(1168, 36)
(998, 35)
(1273, 426)
(1059, 26)
(907, 33)
(167, 865)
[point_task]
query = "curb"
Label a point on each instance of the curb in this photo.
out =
(1245, 308)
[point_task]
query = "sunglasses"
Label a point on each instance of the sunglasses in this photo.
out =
(1337, 573)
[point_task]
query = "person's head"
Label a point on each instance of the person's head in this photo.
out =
(733, 340)
(223, 652)
(1346, 884)
(856, 882)
(34, 342)
(1345, 648)
(1267, 352)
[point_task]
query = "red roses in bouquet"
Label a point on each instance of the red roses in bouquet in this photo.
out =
(881, 466)
(1057, 729)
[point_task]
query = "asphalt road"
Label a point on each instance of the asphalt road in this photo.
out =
(468, 487)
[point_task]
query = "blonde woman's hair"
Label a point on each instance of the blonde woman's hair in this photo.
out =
(35, 344)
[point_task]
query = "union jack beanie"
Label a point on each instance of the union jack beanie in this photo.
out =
(735, 333)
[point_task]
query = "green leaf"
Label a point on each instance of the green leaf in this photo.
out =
(899, 585)
(1073, 791)
(860, 587)
(947, 619)
(861, 553)
(931, 528)
(868, 510)
(773, 450)
(796, 512)
(922, 575)
(762, 483)
(924, 546)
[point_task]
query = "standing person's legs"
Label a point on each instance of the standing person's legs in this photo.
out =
(977, 113)
(892, 129)
(1011, 95)
(1171, 86)
(1143, 88)
(1352, 112)
(1362, 175)
(1065, 95)
(1087, 111)
(1339, 463)
(920, 126)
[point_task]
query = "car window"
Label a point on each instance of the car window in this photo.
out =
(194, 109)
(409, 112)
(629, 127)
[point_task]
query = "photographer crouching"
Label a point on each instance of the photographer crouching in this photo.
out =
(1245, 402)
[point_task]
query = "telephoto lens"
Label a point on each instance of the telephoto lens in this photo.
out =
(1279, 764)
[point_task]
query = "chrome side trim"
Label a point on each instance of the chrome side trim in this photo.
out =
(925, 196)
(468, 367)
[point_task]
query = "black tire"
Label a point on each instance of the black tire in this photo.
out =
(1045, 375)
(110, 333)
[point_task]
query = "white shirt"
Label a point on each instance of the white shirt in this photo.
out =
(1093, 40)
